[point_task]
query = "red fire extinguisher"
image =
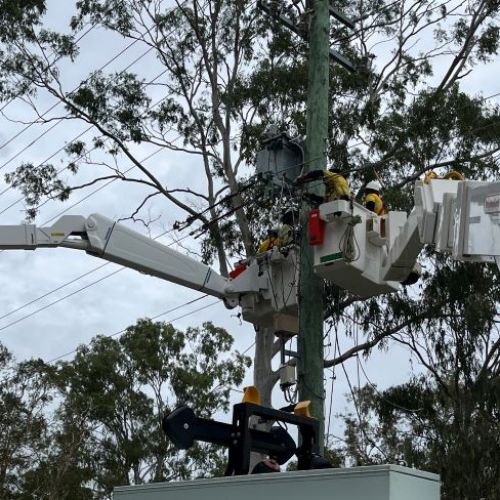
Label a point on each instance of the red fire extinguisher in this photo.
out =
(316, 228)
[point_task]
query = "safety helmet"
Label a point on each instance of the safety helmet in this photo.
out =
(374, 186)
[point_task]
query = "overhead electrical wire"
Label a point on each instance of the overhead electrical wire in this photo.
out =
(101, 279)
(17, 309)
(384, 398)
(333, 382)
(55, 105)
(12, 99)
(88, 128)
(85, 287)
(19, 200)
(153, 318)
(69, 353)
(81, 289)
(115, 57)
(164, 313)
(94, 25)
(75, 279)
(60, 120)
(354, 396)
(467, 133)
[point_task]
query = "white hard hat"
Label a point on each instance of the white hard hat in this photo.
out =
(374, 185)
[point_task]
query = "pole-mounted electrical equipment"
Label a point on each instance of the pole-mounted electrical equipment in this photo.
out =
(281, 158)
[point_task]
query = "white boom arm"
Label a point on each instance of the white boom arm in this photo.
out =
(369, 255)
(102, 237)
(266, 289)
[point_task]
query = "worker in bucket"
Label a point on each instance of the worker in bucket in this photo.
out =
(372, 199)
(452, 175)
(336, 185)
(270, 241)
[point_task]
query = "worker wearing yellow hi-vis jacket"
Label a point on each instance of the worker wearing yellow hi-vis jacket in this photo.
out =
(337, 187)
(270, 241)
(373, 199)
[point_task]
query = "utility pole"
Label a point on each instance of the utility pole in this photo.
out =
(310, 340)
(310, 362)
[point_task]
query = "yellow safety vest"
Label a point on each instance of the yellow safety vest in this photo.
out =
(336, 186)
(267, 244)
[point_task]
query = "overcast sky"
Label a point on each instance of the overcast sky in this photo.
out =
(117, 301)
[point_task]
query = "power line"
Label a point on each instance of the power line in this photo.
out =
(85, 287)
(55, 105)
(95, 191)
(381, 396)
(79, 39)
(105, 65)
(75, 279)
(69, 353)
(60, 120)
(53, 360)
(332, 384)
(64, 285)
(12, 99)
(82, 275)
(356, 404)
(466, 134)
(81, 289)
(19, 200)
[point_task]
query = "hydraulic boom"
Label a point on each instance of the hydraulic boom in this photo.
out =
(369, 254)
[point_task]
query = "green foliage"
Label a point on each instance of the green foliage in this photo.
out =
(230, 71)
(445, 420)
(18, 18)
(445, 429)
(95, 422)
(24, 398)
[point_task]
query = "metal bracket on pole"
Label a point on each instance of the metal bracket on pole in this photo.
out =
(340, 16)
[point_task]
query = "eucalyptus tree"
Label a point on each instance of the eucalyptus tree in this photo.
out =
(103, 426)
(229, 71)
(25, 397)
(125, 386)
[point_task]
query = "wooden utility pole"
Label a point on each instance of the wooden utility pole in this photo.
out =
(310, 340)
(311, 308)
